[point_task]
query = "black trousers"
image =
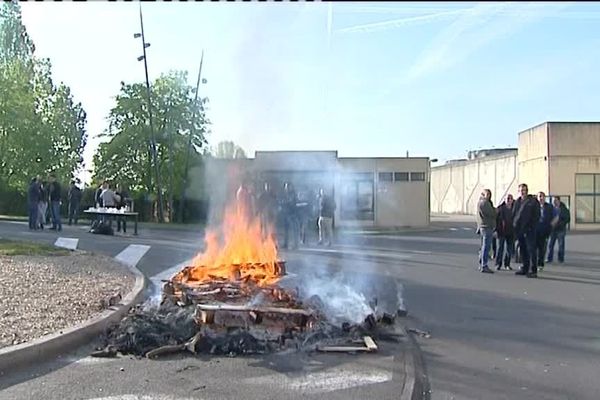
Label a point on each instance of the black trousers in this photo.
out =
(528, 248)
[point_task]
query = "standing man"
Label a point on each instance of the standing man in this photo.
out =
(544, 228)
(74, 198)
(486, 224)
(505, 232)
(43, 203)
(266, 207)
(526, 215)
(561, 219)
(55, 202)
(33, 198)
(123, 201)
(326, 212)
(290, 218)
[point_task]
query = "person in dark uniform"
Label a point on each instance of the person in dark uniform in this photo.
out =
(526, 215)
(544, 228)
(74, 198)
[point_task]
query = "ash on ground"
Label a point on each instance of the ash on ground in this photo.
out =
(152, 330)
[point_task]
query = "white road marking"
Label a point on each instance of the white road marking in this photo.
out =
(132, 254)
(67, 243)
(323, 382)
(453, 229)
(468, 229)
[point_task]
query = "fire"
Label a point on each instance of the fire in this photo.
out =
(237, 252)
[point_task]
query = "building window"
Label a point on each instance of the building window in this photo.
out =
(417, 176)
(386, 176)
(401, 176)
(358, 197)
(587, 198)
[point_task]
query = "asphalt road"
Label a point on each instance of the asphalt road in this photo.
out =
(494, 336)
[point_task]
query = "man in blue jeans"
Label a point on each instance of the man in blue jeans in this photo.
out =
(55, 202)
(561, 219)
(486, 224)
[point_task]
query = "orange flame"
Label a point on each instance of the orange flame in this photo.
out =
(243, 253)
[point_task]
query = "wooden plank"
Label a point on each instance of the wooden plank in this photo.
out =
(370, 343)
(275, 310)
(342, 349)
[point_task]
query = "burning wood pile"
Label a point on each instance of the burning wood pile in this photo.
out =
(230, 301)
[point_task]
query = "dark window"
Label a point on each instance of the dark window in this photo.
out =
(401, 176)
(587, 198)
(357, 197)
(417, 176)
(386, 177)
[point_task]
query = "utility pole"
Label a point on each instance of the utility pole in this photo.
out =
(151, 123)
(189, 145)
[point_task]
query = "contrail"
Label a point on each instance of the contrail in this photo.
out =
(395, 23)
(329, 24)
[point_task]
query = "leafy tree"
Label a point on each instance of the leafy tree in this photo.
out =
(126, 155)
(42, 130)
(228, 149)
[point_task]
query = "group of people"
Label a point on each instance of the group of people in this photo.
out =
(44, 200)
(291, 211)
(534, 224)
(119, 198)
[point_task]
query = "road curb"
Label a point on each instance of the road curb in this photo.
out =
(416, 386)
(55, 344)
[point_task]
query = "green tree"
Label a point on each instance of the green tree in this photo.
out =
(228, 149)
(42, 130)
(126, 155)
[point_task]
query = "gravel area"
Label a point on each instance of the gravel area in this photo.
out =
(40, 295)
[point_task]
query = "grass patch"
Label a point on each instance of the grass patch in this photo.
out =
(18, 248)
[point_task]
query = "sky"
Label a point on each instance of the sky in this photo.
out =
(367, 79)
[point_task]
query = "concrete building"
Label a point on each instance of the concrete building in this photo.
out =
(369, 192)
(558, 158)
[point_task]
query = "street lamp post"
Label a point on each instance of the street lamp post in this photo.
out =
(151, 123)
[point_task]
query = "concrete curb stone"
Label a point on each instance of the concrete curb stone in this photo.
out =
(55, 344)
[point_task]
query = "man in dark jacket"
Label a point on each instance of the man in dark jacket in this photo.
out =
(33, 198)
(505, 232)
(544, 228)
(290, 215)
(54, 189)
(561, 219)
(486, 224)
(526, 215)
(74, 198)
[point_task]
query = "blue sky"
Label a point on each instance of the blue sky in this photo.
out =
(366, 79)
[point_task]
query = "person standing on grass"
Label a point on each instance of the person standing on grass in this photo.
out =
(33, 198)
(74, 198)
(526, 215)
(55, 203)
(43, 204)
(486, 224)
(505, 232)
(544, 228)
(561, 218)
